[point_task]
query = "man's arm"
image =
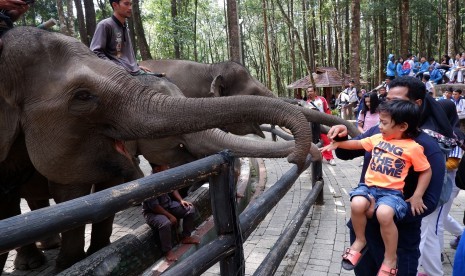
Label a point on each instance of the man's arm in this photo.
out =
(99, 41)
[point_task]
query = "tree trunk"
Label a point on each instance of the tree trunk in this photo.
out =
(299, 42)
(61, 17)
(292, 45)
(267, 46)
(174, 17)
(355, 42)
(451, 25)
(70, 18)
(347, 37)
(195, 31)
(81, 22)
(305, 32)
(234, 35)
(404, 24)
(139, 32)
(91, 21)
(368, 49)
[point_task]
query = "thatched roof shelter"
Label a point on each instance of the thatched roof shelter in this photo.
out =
(324, 77)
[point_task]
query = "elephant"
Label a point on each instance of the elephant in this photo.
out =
(65, 114)
(200, 80)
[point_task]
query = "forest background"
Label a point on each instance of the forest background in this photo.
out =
(279, 41)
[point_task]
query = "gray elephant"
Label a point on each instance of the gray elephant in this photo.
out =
(200, 80)
(65, 113)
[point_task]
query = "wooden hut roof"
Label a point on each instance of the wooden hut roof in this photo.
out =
(324, 77)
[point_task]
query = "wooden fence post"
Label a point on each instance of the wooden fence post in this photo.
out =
(224, 208)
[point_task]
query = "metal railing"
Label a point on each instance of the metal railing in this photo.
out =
(232, 229)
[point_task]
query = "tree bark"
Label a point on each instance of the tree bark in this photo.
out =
(81, 22)
(299, 42)
(174, 17)
(267, 46)
(234, 35)
(451, 25)
(61, 17)
(70, 18)
(91, 21)
(139, 32)
(404, 17)
(195, 31)
(355, 42)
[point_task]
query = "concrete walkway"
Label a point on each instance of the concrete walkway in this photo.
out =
(318, 247)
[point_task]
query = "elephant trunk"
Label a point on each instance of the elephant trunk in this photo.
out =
(166, 116)
(214, 140)
(328, 120)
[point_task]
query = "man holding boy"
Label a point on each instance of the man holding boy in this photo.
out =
(433, 118)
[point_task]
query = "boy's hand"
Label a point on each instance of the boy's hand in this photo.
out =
(416, 205)
(329, 147)
(173, 220)
(186, 204)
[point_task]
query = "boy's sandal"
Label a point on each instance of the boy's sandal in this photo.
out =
(387, 271)
(351, 258)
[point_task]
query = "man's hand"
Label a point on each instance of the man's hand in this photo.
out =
(142, 67)
(337, 131)
(11, 4)
(14, 8)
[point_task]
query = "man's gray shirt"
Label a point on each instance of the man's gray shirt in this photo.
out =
(112, 41)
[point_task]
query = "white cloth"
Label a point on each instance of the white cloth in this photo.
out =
(430, 246)
(412, 65)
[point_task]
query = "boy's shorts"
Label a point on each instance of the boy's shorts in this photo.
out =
(391, 198)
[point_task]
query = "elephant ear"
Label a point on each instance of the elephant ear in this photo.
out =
(9, 127)
(216, 86)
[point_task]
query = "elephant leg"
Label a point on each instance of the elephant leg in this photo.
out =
(52, 241)
(101, 231)
(100, 236)
(72, 241)
(37, 196)
(29, 257)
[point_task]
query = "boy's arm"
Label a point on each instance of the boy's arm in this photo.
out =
(158, 209)
(349, 144)
(178, 197)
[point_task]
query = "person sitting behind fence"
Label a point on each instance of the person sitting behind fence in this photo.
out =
(162, 213)
(393, 153)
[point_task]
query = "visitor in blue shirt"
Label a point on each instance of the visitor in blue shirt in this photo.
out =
(391, 67)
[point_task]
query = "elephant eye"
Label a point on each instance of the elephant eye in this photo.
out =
(83, 102)
(83, 95)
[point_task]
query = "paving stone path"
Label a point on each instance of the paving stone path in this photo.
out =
(319, 244)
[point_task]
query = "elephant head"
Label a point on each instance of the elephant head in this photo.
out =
(68, 103)
(199, 80)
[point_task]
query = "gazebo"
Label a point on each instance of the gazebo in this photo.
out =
(326, 78)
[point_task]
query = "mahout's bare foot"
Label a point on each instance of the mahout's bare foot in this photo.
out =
(170, 256)
(371, 209)
(191, 240)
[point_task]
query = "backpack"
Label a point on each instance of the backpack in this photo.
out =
(460, 176)
(406, 68)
